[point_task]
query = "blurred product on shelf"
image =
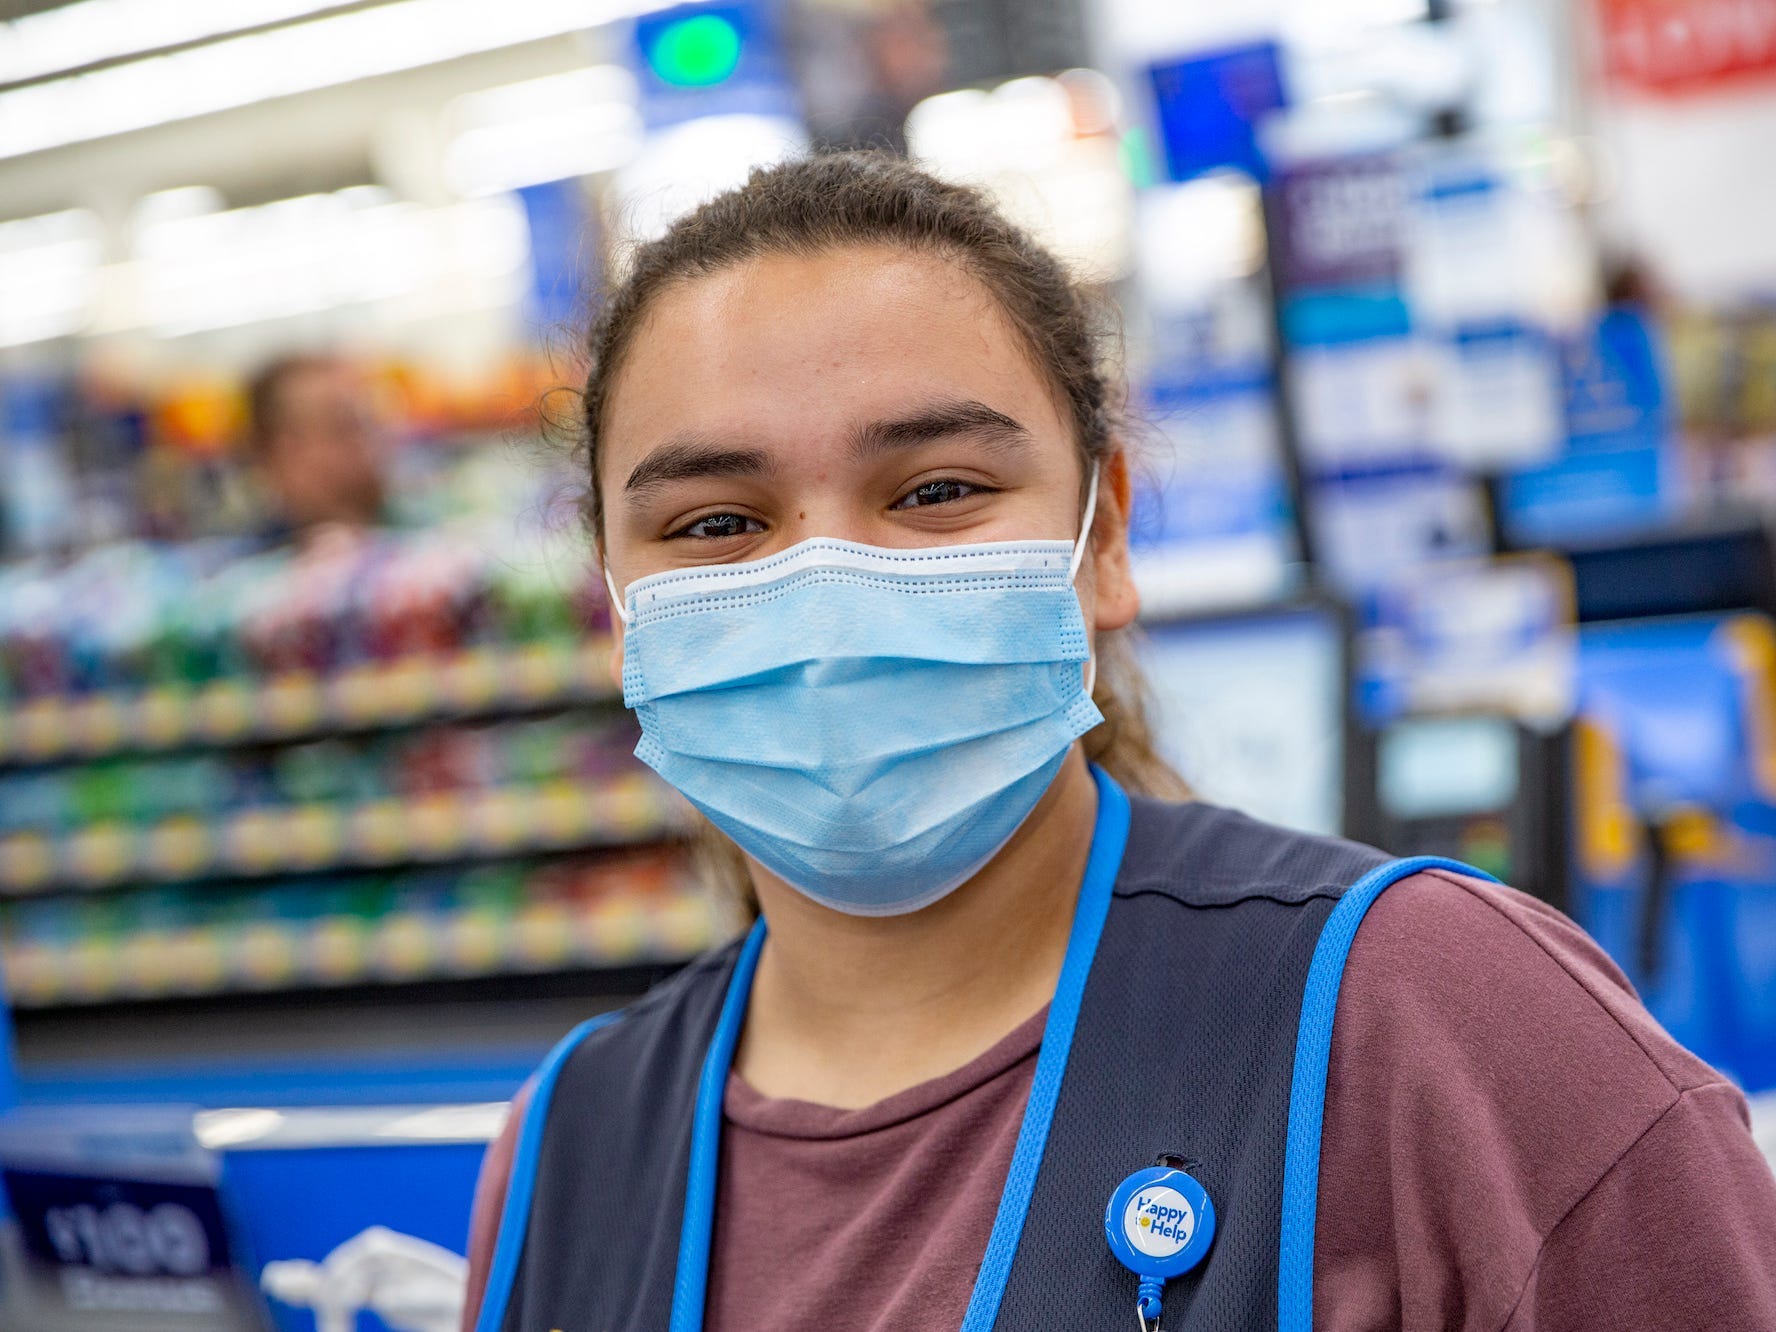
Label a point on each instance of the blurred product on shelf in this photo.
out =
(1724, 363)
(208, 745)
(295, 704)
(340, 929)
(134, 618)
(182, 820)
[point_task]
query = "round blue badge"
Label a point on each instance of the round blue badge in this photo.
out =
(1160, 1222)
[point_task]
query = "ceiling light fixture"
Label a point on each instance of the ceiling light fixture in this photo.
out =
(303, 57)
(90, 32)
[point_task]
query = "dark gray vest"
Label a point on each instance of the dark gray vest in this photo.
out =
(1186, 1043)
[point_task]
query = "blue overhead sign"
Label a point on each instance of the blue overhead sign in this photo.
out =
(1613, 472)
(1210, 105)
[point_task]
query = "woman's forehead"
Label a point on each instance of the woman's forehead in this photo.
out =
(807, 346)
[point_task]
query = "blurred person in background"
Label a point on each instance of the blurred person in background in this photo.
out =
(1021, 1021)
(316, 443)
(864, 67)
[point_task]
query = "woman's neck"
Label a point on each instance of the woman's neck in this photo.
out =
(846, 1010)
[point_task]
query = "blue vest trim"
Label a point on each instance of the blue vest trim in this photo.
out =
(1307, 1091)
(690, 1285)
(521, 1184)
(1109, 839)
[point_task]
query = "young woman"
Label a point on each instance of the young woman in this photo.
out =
(1015, 1044)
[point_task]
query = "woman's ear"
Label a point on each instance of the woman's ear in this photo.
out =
(1116, 600)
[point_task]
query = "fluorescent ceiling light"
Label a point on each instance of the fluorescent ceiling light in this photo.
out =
(49, 271)
(528, 152)
(321, 252)
(321, 53)
(192, 267)
(90, 32)
(544, 129)
(571, 91)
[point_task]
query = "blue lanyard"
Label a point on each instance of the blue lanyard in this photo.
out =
(690, 1287)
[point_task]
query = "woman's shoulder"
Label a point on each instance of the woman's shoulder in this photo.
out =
(1507, 981)
(1488, 1051)
(1503, 1115)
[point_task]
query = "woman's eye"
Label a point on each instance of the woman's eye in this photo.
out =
(936, 492)
(719, 525)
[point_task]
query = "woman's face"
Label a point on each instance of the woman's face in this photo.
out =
(868, 393)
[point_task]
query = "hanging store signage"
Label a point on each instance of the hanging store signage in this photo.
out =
(1209, 107)
(1687, 46)
(1340, 220)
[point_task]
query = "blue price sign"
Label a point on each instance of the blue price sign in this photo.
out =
(124, 1247)
(1210, 105)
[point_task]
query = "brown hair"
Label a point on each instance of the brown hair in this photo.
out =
(827, 202)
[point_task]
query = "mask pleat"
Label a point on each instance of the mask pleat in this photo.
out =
(722, 642)
(812, 718)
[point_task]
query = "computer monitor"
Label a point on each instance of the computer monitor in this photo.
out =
(1698, 571)
(1251, 708)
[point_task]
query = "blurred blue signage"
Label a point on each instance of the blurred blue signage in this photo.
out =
(122, 1223)
(1470, 636)
(124, 1214)
(37, 496)
(1612, 472)
(304, 1201)
(1209, 107)
(711, 60)
(1339, 221)
(120, 1246)
(1680, 705)
(1211, 518)
(1380, 499)
(563, 253)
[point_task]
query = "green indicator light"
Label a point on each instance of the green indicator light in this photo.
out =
(697, 52)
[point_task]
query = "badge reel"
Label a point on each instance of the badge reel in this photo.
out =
(1160, 1223)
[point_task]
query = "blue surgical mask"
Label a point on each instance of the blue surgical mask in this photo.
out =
(871, 725)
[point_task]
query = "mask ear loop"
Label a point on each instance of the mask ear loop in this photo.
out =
(615, 597)
(1085, 527)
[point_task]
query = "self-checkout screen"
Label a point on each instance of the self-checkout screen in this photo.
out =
(1250, 708)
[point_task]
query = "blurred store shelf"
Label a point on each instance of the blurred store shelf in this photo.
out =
(271, 840)
(624, 911)
(476, 682)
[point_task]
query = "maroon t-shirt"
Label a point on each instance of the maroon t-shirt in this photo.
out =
(1511, 1143)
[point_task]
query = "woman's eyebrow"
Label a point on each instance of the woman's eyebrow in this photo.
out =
(687, 459)
(939, 419)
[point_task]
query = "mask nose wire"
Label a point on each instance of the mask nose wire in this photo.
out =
(1085, 527)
